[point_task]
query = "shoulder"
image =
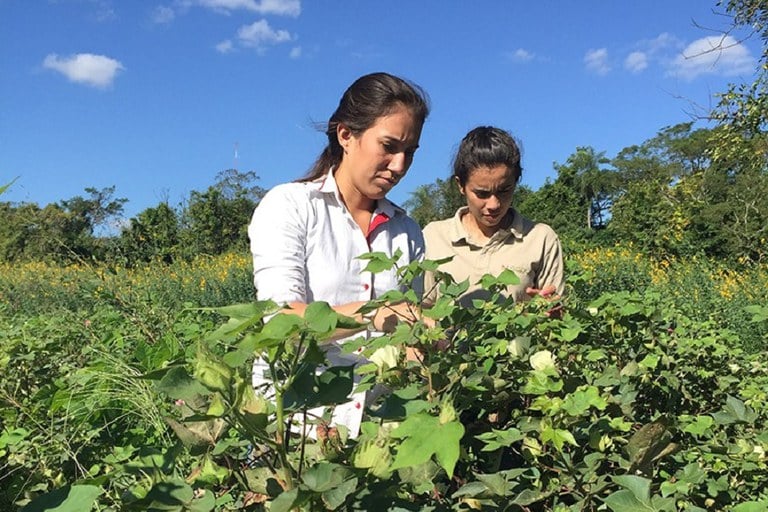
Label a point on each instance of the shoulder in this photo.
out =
(289, 196)
(290, 191)
(407, 225)
(531, 227)
(399, 216)
(439, 228)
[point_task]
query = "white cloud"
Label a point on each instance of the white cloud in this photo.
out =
(85, 68)
(259, 34)
(277, 7)
(295, 52)
(662, 42)
(521, 55)
(636, 62)
(597, 61)
(162, 14)
(224, 46)
(718, 55)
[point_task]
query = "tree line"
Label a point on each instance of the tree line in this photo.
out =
(210, 222)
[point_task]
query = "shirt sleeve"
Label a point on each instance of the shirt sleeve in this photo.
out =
(552, 268)
(429, 294)
(278, 239)
(417, 250)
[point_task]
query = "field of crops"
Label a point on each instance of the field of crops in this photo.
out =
(129, 389)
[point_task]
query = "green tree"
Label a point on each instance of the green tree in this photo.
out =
(216, 221)
(659, 190)
(152, 235)
(578, 201)
(61, 231)
(434, 201)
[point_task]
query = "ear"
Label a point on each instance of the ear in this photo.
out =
(343, 135)
(459, 186)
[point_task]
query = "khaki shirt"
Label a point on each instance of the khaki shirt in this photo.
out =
(532, 250)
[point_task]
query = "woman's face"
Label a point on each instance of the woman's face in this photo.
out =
(377, 159)
(488, 191)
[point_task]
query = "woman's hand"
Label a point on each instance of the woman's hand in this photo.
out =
(389, 315)
(548, 293)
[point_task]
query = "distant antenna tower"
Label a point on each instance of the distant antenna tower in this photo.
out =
(234, 163)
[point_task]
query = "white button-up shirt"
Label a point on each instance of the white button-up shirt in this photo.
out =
(305, 245)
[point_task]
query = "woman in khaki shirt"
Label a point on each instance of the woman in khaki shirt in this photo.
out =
(487, 235)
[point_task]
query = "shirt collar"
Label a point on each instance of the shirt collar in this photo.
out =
(328, 185)
(459, 233)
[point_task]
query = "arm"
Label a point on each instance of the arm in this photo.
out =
(550, 283)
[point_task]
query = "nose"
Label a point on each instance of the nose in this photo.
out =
(493, 203)
(398, 164)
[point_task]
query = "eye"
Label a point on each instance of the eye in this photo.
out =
(389, 147)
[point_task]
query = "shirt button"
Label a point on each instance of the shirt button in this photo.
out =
(365, 286)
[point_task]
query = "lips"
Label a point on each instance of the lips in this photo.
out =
(390, 181)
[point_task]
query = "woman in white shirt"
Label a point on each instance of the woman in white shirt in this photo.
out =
(306, 236)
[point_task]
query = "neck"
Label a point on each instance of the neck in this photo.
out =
(483, 233)
(352, 198)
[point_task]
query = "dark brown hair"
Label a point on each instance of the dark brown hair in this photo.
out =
(486, 146)
(366, 100)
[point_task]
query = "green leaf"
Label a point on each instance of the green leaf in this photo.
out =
(425, 436)
(581, 400)
(596, 355)
(325, 476)
(205, 502)
(625, 501)
(650, 361)
(444, 306)
(334, 498)
(75, 498)
(179, 385)
(12, 437)
(320, 318)
(558, 437)
(700, 425)
(539, 383)
(470, 489)
(739, 410)
(309, 389)
(420, 477)
(285, 501)
(277, 330)
(379, 261)
(373, 454)
(759, 313)
(507, 277)
(639, 487)
(751, 506)
(499, 438)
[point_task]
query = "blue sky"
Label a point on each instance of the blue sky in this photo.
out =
(156, 97)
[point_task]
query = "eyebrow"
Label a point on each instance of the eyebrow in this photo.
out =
(505, 188)
(391, 139)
